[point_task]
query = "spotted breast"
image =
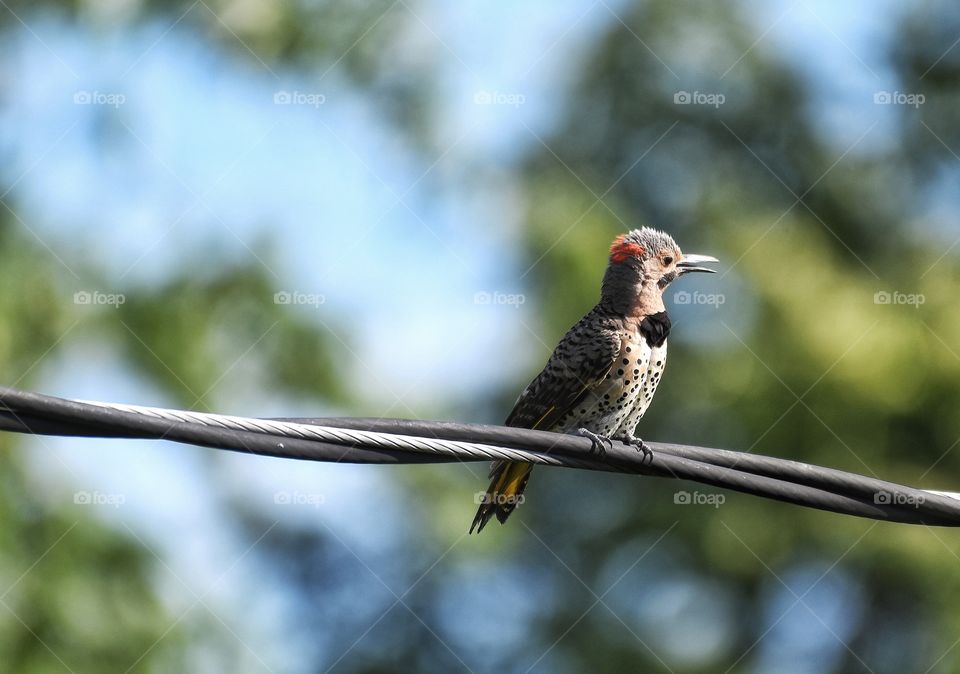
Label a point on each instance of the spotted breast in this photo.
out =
(654, 330)
(606, 406)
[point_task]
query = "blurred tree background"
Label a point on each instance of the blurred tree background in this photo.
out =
(344, 255)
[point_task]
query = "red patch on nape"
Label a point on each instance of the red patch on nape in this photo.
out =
(622, 249)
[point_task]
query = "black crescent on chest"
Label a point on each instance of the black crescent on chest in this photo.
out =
(655, 328)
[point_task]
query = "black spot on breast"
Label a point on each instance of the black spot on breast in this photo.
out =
(655, 328)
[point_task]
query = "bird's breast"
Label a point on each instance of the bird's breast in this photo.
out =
(610, 401)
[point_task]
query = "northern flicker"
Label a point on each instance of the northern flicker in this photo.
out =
(601, 378)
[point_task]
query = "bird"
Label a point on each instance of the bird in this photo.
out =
(601, 377)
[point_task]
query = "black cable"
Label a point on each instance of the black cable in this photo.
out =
(838, 481)
(784, 480)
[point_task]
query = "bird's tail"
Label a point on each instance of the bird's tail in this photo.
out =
(505, 492)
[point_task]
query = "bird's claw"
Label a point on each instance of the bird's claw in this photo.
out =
(596, 440)
(641, 447)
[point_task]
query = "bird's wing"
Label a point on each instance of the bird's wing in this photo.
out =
(581, 360)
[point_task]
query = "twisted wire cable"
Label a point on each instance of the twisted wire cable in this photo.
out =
(358, 440)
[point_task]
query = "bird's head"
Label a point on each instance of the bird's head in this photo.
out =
(642, 264)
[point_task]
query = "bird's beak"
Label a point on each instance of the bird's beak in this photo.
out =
(688, 263)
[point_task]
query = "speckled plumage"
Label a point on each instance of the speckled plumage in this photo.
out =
(603, 374)
(595, 379)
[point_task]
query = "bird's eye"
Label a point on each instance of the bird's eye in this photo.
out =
(668, 260)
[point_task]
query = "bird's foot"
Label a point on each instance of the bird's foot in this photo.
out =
(640, 445)
(596, 440)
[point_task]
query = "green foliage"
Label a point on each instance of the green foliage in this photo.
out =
(190, 334)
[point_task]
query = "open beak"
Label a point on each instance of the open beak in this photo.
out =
(688, 263)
